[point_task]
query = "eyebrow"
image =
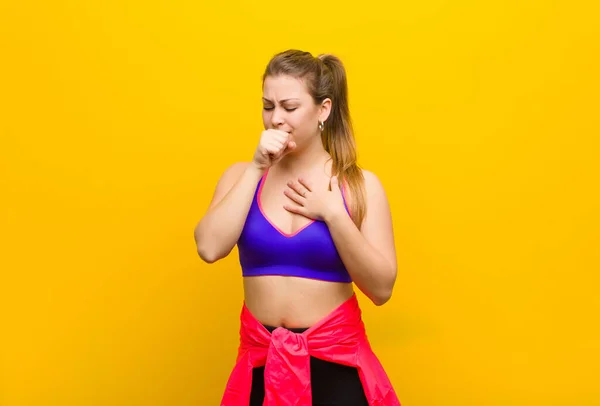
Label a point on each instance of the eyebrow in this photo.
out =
(281, 101)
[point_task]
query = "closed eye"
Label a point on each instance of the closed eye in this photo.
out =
(271, 108)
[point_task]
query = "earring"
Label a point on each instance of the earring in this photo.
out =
(321, 125)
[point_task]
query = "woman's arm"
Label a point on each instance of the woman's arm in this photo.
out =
(369, 254)
(219, 230)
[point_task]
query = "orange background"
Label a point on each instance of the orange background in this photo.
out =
(118, 117)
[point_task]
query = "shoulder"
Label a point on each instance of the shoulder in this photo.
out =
(228, 178)
(372, 192)
(373, 185)
(377, 226)
(231, 174)
(236, 168)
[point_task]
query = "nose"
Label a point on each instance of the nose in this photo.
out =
(276, 118)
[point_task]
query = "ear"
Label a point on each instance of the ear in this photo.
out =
(325, 109)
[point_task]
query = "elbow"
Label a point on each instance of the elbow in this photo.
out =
(210, 254)
(381, 298)
(207, 256)
(384, 293)
(206, 252)
(381, 295)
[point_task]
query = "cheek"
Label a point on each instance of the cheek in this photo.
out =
(304, 121)
(266, 117)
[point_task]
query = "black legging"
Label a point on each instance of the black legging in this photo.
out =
(332, 384)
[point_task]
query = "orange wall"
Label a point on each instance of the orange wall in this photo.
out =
(117, 118)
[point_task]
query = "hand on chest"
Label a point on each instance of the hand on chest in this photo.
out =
(272, 200)
(293, 203)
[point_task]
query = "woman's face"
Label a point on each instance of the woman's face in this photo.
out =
(288, 106)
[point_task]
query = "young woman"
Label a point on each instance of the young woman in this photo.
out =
(308, 223)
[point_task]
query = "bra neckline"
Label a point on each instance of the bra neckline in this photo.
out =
(264, 215)
(272, 224)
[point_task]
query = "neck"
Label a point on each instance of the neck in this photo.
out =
(307, 159)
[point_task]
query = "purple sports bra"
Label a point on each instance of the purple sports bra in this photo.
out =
(308, 253)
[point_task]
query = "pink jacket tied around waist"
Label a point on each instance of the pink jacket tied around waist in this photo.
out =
(339, 337)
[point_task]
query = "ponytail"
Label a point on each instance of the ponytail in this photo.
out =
(338, 139)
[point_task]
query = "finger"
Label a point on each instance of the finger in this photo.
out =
(279, 140)
(295, 209)
(280, 132)
(306, 184)
(291, 145)
(276, 144)
(294, 197)
(274, 156)
(272, 149)
(281, 135)
(298, 188)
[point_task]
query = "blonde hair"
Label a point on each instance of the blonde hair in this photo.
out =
(325, 77)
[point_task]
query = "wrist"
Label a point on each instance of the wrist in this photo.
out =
(333, 216)
(252, 173)
(256, 168)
